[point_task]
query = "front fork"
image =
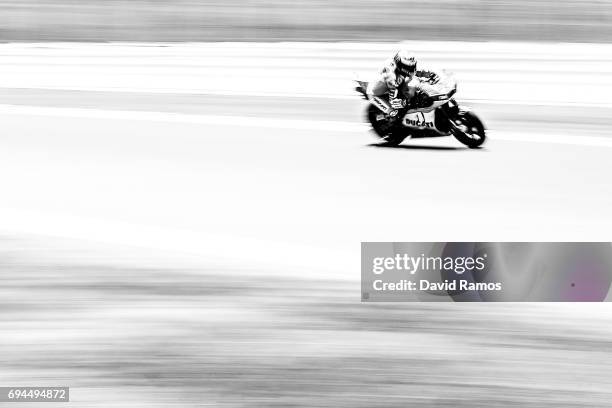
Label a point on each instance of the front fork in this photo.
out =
(452, 111)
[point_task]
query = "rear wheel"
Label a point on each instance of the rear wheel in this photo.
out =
(385, 127)
(468, 129)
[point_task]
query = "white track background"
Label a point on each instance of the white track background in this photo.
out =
(567, 74)
(293, 193)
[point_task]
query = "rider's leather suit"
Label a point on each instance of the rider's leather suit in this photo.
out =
(390, 83)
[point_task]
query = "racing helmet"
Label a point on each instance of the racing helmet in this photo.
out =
(405, 64)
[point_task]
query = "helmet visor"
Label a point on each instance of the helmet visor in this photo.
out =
(407, 70)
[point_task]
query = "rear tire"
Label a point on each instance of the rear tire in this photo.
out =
(385, 127)
(468, 129)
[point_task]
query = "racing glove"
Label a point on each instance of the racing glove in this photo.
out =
(433, 78)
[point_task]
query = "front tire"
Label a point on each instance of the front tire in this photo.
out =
(385, 127)
(468, 129)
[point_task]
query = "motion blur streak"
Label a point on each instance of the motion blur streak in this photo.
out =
(206, 262)
(567, 74)
(126, 328)
(310, 20)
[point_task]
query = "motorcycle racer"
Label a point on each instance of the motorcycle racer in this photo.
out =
(406, 100)
(401, 80)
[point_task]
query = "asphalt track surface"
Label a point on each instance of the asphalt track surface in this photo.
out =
(190, 249)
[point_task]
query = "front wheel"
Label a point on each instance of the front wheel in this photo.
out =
(468, 129)
(385, 126)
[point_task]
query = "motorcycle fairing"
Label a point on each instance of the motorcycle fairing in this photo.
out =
(420, 119)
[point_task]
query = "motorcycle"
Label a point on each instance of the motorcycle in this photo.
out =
(428, 115)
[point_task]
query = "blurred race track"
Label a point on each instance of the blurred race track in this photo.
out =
(256, 181)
